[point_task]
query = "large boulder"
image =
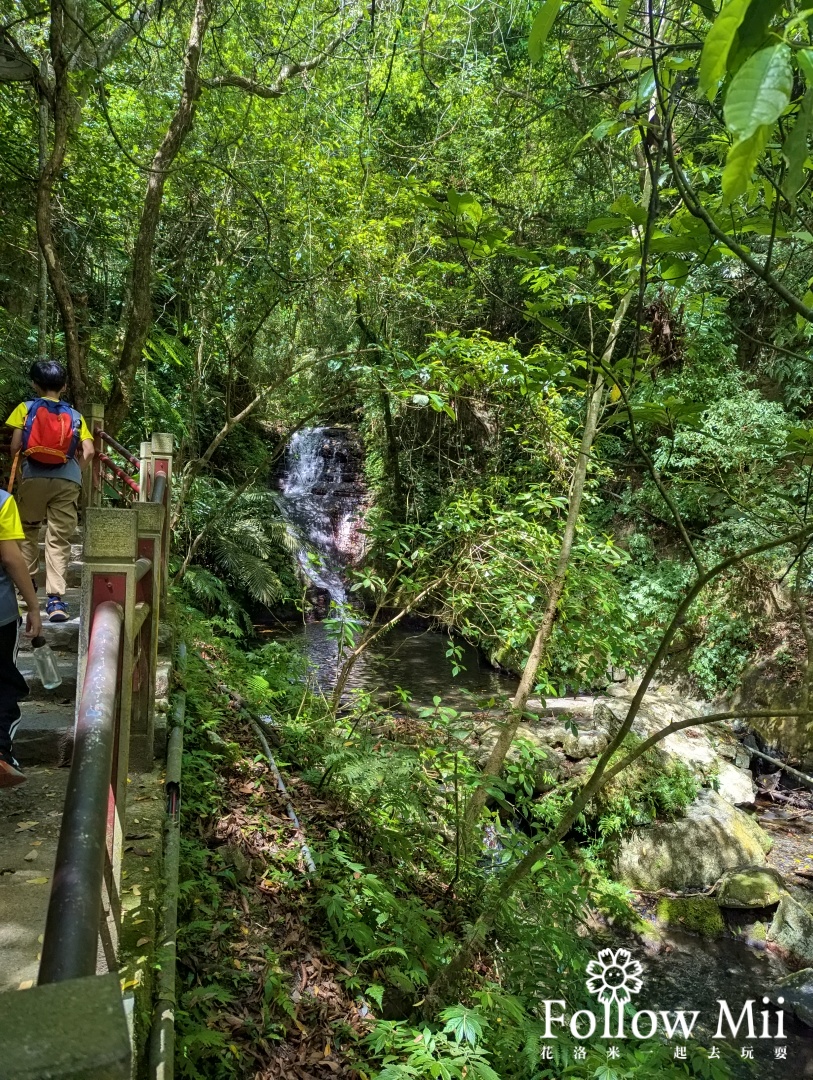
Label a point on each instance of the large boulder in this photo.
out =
(736, 785)
(693, 852)
(711, 753)
(751, 887)
(796, 991)
(792, 929)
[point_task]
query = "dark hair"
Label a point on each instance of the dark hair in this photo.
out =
(49, 374)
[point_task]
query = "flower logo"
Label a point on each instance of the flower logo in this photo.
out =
(614, 976)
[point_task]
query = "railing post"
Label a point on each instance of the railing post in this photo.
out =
(92, 485)
(161, 451)
(145, 471)
(148, 591)
(109, 573)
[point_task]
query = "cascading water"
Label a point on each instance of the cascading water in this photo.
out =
(320, 497)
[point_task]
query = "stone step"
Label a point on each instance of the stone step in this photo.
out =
(76, 551)
(35, 805)
(66, 662)
(43, 737)
(62, 636)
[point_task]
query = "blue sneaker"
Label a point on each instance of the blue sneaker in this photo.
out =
(56, 609)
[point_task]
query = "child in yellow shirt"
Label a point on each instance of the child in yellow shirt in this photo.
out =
(54, 443)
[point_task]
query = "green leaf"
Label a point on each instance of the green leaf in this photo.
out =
(623, 11)
(707, 7)
(718, 43)
(741, 162)
(805, 60)
(760, 91)
(545, 18)
(465, 1024)
(752, 34)
(606, 224)
(794, 150)
(675, 271)
(626, 205)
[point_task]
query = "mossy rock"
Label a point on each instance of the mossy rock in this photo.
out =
(693, 852)
(750, 887)
(758, 933)
(698, 914)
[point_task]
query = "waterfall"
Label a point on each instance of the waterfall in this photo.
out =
(320, 496)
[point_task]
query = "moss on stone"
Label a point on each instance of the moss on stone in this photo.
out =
(750, 887)
(698, 914)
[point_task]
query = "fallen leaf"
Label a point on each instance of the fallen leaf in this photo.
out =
(36, 843)
(26, 984)
(327, 1048)
(37, 881)
(31, 856)
(142, 941)
(26, 824)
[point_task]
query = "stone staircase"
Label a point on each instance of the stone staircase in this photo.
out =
(47, 715)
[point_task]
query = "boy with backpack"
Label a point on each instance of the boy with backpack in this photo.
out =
(13, 687)
(54, 443)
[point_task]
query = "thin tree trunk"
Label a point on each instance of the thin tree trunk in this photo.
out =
(53, 165)
(42, 285)
(138, 316)
(496, 758)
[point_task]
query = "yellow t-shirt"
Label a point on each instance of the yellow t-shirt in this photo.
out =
(18, 417)
(11, 528)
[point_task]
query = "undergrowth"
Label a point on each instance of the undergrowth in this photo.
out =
(286, 973)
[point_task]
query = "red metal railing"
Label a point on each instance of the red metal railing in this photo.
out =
(106, 472)
(75, 908)
(122, 587)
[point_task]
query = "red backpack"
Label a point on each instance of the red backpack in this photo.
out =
(51, 432)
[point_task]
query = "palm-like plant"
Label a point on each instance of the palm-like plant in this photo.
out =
(235, 537)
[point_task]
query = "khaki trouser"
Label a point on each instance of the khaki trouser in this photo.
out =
(51, 499)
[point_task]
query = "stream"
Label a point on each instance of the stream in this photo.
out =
(321, 498)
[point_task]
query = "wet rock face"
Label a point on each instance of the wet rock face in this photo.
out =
(765, 686)
(321, 497)
(796, 991)
(792, 929)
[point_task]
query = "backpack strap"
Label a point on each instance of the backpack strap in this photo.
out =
(31, 412)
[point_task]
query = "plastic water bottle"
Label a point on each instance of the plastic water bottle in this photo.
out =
(47, 667)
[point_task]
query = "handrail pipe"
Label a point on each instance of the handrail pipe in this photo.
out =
(131, 459)
(159, 487)
(120, 473)
(71, 937)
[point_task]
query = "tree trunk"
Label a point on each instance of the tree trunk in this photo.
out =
(496, 759)
(138, 315)
(62, 100)
(42, 283)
